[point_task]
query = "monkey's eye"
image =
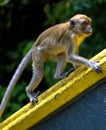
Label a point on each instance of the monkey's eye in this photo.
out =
(84, 23)
(72, 22)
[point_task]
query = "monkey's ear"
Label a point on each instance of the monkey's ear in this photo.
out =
(72, 23)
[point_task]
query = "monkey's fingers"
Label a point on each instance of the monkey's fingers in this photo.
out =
(98, 69)
(94, 65)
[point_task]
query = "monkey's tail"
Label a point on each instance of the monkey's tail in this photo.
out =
(14, 80)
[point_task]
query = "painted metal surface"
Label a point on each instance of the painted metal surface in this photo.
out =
(88, 113)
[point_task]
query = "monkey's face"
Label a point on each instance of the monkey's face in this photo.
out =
(86, 26)
(81, 24)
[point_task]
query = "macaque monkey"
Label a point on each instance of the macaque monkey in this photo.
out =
(59, 43)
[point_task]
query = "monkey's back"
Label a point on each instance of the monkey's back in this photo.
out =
(54, 35)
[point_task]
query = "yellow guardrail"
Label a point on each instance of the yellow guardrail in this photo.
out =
(55, 97)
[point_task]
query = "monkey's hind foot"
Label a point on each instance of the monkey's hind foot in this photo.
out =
(34, 97)
(68, 72)
(64, 75)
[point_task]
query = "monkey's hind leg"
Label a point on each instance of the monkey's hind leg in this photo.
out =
(61, 63)
(36, 79)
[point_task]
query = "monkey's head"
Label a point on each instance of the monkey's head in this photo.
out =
(81, 24)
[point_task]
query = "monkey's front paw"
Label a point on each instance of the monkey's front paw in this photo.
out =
(96, 67)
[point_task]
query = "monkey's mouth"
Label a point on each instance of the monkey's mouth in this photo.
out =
(89, 32)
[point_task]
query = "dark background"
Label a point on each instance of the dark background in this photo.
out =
(21, 21)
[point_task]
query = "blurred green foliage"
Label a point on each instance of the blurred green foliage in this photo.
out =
(21, 21)
(3, 2)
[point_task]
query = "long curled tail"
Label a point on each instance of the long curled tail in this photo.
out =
(14, 80)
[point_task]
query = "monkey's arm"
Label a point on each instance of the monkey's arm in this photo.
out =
(80, 60)
(14, 80)
(76, 59)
